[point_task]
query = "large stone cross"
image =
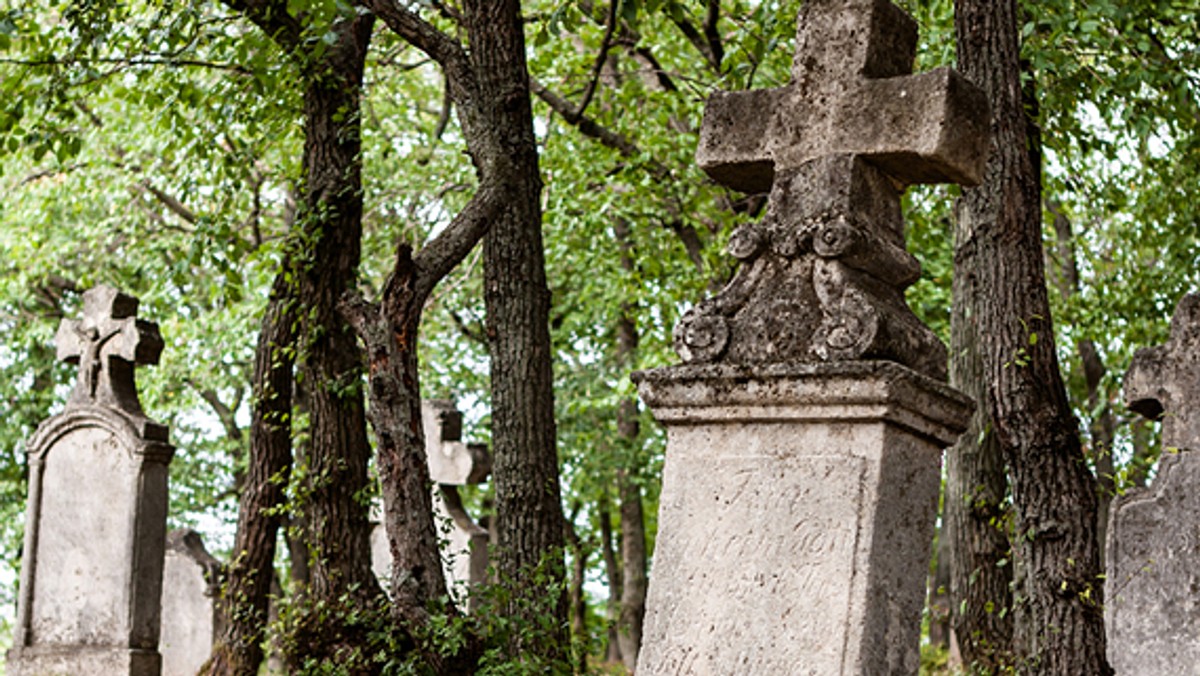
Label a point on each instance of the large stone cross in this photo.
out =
(107, 343)
(1164, 381)
(823, 273)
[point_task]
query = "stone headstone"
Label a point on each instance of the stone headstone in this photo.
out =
(804, 437)
(452, 463)
(96, 515)
(190, 620)
(1152, 590)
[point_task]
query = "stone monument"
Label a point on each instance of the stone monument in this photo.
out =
(805, 431)
(1152, 588)
(191, 621)
(95, 525)
(452, 463)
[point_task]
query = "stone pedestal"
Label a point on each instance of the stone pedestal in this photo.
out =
(95, 528)
(796, 516)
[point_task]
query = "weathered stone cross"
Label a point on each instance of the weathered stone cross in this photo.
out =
(1164, 381)
(107, 344)
(824, 271)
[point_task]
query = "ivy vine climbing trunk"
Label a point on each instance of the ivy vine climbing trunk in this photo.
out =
(326, 257)
(1058, 621)
(335, 476)
(245, 596)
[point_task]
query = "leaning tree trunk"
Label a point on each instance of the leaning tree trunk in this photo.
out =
(528, 499)
(246, 593)
(335, 475)
(974, 526)
(1058, 623)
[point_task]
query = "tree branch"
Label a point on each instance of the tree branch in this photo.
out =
(272, 17)
(712, 35)
(418, 32)
(439, 256)
(605, 42)
(586, 125)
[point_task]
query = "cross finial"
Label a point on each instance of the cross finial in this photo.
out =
(1164, 381)
(107, 343)
(823, 273)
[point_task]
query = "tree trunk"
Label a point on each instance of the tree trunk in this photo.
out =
(246, 594)
(633, 521)
(974, 525)
(577, 596)
(1103, 428)
(335, 478)
(528, 498)
(612, 573)
(1058, 624)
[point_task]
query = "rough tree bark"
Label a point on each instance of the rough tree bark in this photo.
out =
(974, 525)
(244, 598)
(528, 499)
(326, 258)
(337, 523)
(1058, 623)
(1103, 429)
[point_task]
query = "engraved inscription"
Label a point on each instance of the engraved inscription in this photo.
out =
(773, 540)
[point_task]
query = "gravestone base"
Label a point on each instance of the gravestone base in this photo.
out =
(1151, 605)
(796, 516)
(75, 660)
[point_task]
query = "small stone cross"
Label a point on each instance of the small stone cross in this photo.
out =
(1164, 381)
(823, 273)
(107, 343)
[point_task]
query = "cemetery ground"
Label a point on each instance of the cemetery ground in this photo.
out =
(656, 337)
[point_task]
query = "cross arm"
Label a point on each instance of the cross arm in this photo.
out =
(927, 128)
(733, 147)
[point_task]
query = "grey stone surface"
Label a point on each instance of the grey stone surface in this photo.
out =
(190, 621)
(796, 516)
(96, 514)
(1152, 590)
(823, 273)
(452, 463)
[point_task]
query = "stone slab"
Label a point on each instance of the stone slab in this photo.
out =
(796, 517)
(1152, 593)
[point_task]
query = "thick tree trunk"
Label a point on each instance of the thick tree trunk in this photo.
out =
(1058, 623)
(335, 517)
(528, 498)
(246, 594)
(974, 526)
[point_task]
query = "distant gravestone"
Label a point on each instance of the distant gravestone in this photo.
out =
(452, 463)
(190, 620)
(1152, 590)
(96, 514)
(805, 431)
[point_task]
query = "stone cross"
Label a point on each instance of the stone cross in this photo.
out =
(823, 273)
(1164, 381)
(1152, 611)
(107, 343)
